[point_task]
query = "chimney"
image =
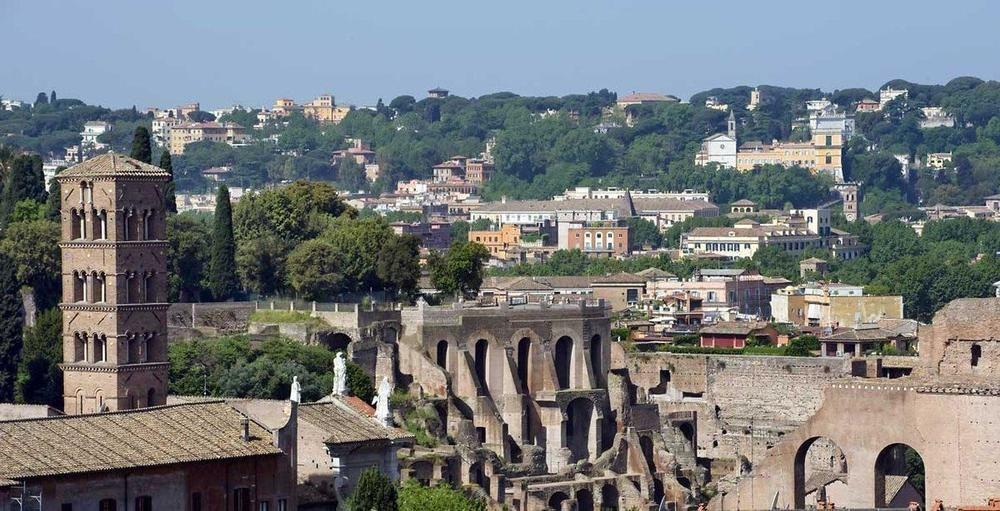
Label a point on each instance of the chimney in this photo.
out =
(503, 199)
(245, 429)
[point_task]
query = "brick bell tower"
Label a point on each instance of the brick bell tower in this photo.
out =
(114, 275)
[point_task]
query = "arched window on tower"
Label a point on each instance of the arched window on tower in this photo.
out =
(128, 221)
(148, 295)
(102, 224)
(100, 288)
(79, 286)
(79, 347)
(144, 225)
(76, 224)
(100, 348)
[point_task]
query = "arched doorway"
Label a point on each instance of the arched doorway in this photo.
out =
(523, 363)
(609, 498)
(442, 354)
(338, 341)
(820, 470)
(478, 477)
(596, 361)
(556, 500)
(579, 428)
(563, 359)
(899, 477)
(584, 500)
(482, 351)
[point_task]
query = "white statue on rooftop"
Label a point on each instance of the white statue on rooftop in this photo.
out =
(296, 394)
(340, 375)
(381, 402)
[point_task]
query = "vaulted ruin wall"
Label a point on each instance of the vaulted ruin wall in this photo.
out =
(744, 403)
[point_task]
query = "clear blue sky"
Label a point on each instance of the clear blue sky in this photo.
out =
(163, 52)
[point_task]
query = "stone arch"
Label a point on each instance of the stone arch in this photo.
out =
(816, 454)
(480, 357)
(477, 476)
(79, 401)
(580, 428)
(151, 398)
(609, 497)
(597, 360)
(524, 364)
(563, 358)
(687, 431)
(441, 354)
(899, 469)
(584, 500)
(556, 500)
(338, 341)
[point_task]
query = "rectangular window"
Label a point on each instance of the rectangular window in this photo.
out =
(829, 140)
(66, 507)
(196, 501)
(829, 159)
(282, 505)
(107, 505)
(265, 505)
(144, 503)
(241, 499)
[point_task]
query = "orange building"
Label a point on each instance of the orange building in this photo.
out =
(502, 243)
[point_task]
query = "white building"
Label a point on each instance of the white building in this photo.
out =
(888, 94)
(11, 104)
(719, 148)
(92, 130)
(936, 117)
(798, 230)
(586, 192)
(714, 103)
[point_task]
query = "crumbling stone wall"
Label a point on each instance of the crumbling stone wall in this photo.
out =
(185, 320)
(744, 404)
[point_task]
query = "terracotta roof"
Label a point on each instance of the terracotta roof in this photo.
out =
(893, 485)
(812, 260)
(733, 327)
(112, 164)
(620, 278)
(528, 284)
(655, 273)
(348, 420)
(136, 438)
(860, 335)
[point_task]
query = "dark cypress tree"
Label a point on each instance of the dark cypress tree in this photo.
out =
(42, 99)
(11, 325)
(24, 180)
(169, 193)
(374, 491)
(142, 148)
(52, 97)
(222, 280)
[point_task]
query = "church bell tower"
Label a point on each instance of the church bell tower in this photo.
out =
(114, 275)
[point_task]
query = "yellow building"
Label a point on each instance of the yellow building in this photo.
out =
(324, 109)
(183, 134)
(829, 147)
(752, 154)
(502, 243)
